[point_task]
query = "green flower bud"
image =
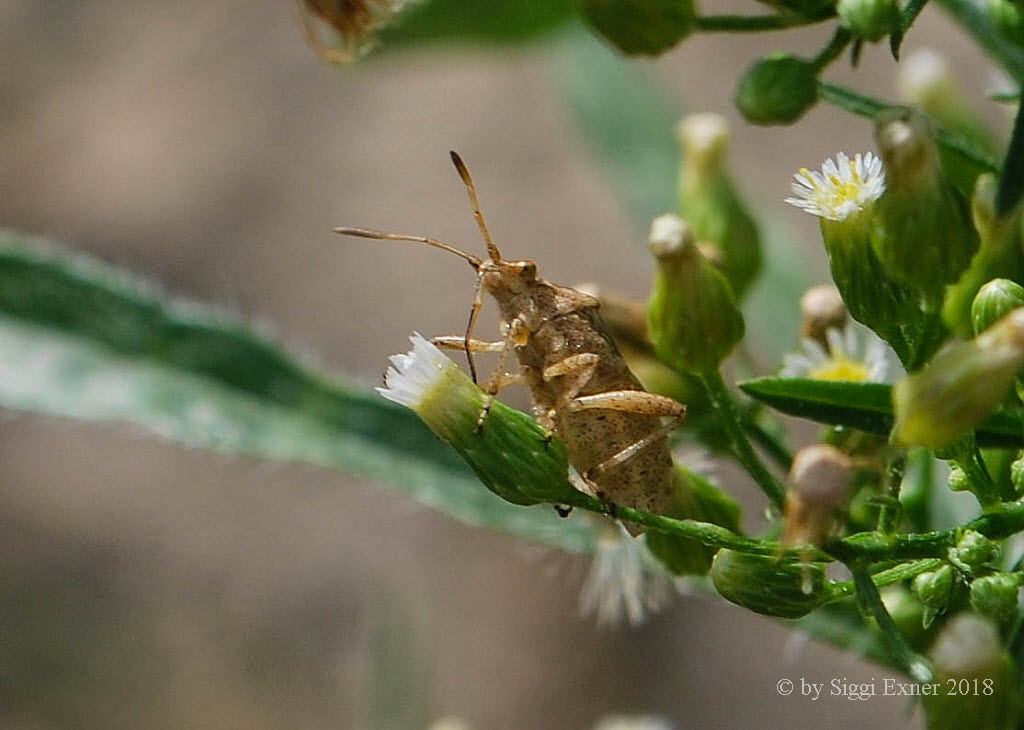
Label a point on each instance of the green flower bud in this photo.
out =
(647, 27)
(923, 232)
(766, 585)
(693, 498)
(975, 681)
(869, 20)
(995, 300)
(710, 204)
(1017, 475)
(934, 589)
(962, 385)
(973, 551)
(925, 80)
(1008, 17)
(843, 195)
(958, 480)
(996, 596)
(513, 456)
(1000, 256)
(908, 615)
(777, 89)
(692, 314)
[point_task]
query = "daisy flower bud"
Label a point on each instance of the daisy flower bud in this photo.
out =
(996, 596)
(969, 659)
(973, 552)
(926, 81)
(767, 585)
(843, 196)
(868, 20)
(693, 498)
(995, 300)
(922, 232)
(708, 201)
(962, 385)
(1008, 17)
(513, 456)
(692, 314)
(934, 591)
(777, 89)
(999, 256)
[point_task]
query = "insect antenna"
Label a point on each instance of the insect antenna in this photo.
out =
(474, 261)
(492, 250)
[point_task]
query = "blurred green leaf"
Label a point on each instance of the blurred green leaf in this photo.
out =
(627, 121)
(842, 625)
(82, 340)
(864, 406)
(493, 22)
(647, 27)
(1011, 180)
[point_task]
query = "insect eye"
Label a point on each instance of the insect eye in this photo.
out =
(528, 269)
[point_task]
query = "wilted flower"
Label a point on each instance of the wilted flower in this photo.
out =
(625, 581)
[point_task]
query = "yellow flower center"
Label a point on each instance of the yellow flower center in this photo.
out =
(840, 367)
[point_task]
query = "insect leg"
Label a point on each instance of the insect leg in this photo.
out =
(514, 333)
(631, 401)
(458, 342)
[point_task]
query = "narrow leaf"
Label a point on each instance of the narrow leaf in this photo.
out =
(864, 406)
(908, 15)
(1011, 182)
(81, 340)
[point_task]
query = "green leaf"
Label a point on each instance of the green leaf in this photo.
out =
(641, 27)
(627, 120)
(471, 21)
(908, 14)
(1011, 181)
(864, 406)
(973, 18)
(842, 625)
(81, 340)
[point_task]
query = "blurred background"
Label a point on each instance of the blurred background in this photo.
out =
(206, 147)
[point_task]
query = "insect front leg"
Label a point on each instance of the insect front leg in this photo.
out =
(640, 403)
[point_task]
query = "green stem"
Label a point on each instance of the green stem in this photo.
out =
(752, 23)
(729, 416)
(770, 443)
(840, 40)
(868, 106)
(867, 592)
(968, 457)
(891, 511)
(889, 576)
(975, 21)
(1005, 520)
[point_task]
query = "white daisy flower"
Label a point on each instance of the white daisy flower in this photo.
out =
(415, 374)
(625, 581)
(843, 186)
(854, 353)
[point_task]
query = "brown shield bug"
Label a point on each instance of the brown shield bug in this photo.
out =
(581, 388)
